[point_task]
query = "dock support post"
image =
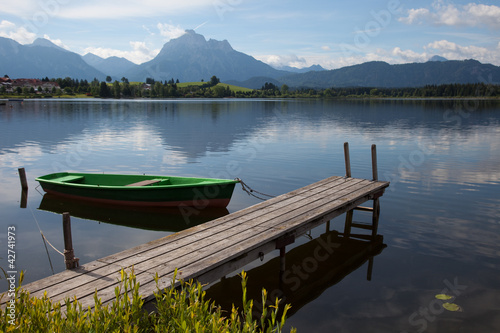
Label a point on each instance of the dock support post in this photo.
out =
(69, 255)
(375, 216)
(347, 160)
(22, 177)
(370, 269)
(348, 223)
(282, 259)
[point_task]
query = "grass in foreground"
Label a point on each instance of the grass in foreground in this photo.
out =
(179, 309)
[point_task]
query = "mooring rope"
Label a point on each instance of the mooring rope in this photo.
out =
(251, 191)
(43, 236)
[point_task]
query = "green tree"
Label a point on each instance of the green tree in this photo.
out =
(116, 89)
(214, 80)
(127, 92)
(219, 91)
(284, 89)
(104, 90)
(108, 78)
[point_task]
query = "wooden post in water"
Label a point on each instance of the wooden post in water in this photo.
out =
(376, 203)
(22, 177)
(282, 259)
(24, 198)
(374, 163)
(347, 160)
(69, 255)
(370, 269)
(375, 216)
(348, 223)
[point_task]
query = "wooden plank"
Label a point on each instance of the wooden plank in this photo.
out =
(214, 247)
(145, 182)
(360, 225)
(365, 209)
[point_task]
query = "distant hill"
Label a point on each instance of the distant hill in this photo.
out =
(113, 66)
(437, 58)
(316, 68)
(192, 58)
(42, 59)
(381, 74)
(255, 82)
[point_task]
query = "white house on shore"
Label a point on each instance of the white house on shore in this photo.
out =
(12, 84)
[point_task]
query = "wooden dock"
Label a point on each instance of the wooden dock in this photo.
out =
(209, 251)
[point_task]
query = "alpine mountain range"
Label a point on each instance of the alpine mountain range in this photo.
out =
(191, 58)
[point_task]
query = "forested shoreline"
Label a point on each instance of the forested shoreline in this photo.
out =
(69, 87)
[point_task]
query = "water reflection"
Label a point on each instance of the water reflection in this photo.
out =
(311, 268)
(151, 218)
(440, 214)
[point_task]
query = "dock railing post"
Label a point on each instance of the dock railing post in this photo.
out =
(69, 255)
(374, 162)
(376, 203)
(347, 160)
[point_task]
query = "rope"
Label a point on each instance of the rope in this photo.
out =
(251, 191)
(41, 233)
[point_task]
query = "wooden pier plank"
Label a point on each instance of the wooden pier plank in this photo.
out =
(217, 242)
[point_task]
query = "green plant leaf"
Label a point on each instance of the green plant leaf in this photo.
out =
(452, 307)
(443, 296)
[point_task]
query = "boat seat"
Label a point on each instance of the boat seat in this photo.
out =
(69, 178)
(145, 182)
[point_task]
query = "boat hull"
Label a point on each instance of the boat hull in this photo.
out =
(140, 190)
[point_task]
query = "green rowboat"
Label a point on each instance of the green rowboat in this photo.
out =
(140, 190)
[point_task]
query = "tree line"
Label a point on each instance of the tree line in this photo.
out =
(212, 89)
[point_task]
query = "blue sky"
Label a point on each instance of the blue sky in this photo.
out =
(297, 33)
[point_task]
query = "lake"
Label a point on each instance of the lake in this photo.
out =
(440, 217)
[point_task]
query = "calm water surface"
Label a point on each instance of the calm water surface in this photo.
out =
(440, 218)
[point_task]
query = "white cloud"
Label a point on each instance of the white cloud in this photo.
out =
(140, 52)
(415, 16)
(397, 55)
(408, 56)
(170, 31)
(119, 9)
(58, 42)
(453, 51)
(19, 34)
(471, 14)
(325, 48)
(288, 60)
